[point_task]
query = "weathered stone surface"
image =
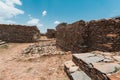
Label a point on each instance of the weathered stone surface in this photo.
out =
(117, 58)
(2, 43)
(89, 58)
(71, 66)
(82, 55)
(74, 72)
(97, 66)
(79, 75)
(107, 68)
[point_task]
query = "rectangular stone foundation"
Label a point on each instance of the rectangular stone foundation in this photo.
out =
(74, 72)
(97, 67)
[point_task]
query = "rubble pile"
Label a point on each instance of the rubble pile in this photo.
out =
(2, 43)
(42, 49)
(51, 33)
(81, 36)
(19, 33)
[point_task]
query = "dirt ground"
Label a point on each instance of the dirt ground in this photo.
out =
(44, 68)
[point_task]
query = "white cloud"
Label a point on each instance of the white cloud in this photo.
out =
(57, 22)
(44, 13)
(2, 21)
(12, 2)
(8, 9)
(34, 22)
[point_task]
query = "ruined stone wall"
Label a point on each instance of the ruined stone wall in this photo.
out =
(51, 33)
(61, 36)
(19, 33)
(103, 35)
(72, 36)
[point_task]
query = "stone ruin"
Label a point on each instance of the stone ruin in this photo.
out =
(19, 33)
(81, 36)
(45, 49)
(51, 33)
(93, 66)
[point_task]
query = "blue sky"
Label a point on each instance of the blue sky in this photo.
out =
(48, 13)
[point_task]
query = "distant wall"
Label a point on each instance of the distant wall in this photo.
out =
(51, 33)
(81, 36)
(19, 33)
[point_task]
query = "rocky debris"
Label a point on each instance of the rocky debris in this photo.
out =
(19, 33)
(42, 49)
(74, 71)
(81, 36)
(2, 43)
(97, 66)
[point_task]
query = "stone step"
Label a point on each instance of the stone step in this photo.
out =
(1, 43)
(74, 72)
(97, 66)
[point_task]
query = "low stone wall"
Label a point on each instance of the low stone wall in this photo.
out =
(19, 33)
(97, 66)
(81, 36)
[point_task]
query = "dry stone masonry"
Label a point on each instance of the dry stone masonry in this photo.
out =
(51, 33)
(74, 72)
(19, 33)
(81, 36)
(97, 65)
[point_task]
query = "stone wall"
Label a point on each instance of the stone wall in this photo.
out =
(98, 65)
(19, 33)
(81, 36)
(51, 33)
(72, 36)
(104, 35)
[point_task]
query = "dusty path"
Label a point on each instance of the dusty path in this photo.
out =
(44, 68)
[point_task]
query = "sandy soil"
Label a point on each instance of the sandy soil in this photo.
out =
(44, 68)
